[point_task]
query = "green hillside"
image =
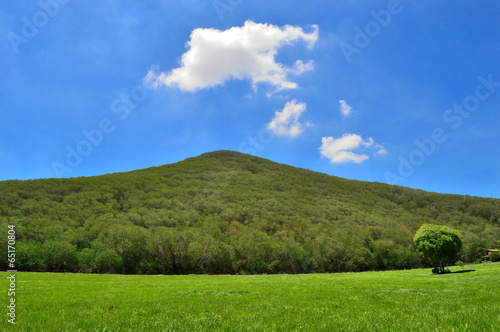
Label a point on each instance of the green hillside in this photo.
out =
(227, 212)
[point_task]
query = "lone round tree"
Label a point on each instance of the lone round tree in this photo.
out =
(439, 244)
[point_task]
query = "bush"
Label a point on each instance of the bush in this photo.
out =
(59, 256)
(29, 257)
(107, 261)
(85, 258)
(495, 256)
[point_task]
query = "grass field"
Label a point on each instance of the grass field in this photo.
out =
(411, 300)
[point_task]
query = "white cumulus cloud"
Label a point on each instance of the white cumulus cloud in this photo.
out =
(340, 150)
(345, 109)
(248, 52)
(286, 122)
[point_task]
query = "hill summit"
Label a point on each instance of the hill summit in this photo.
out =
(229, 212)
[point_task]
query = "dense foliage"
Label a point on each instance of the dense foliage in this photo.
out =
(226, 212)
(439, 244)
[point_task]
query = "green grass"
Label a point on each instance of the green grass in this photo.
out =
(411, 300)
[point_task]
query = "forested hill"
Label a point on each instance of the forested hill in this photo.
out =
(227, 212)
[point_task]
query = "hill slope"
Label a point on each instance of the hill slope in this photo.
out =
(227, 212)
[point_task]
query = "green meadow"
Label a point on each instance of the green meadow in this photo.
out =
(408, 300)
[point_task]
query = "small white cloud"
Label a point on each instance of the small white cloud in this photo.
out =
(340, 150)
(381, 149)
(286, 122)
(367, 143)
(300, 67)
(246, 52)
(345, 109)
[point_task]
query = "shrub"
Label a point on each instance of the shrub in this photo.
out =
(495, 256)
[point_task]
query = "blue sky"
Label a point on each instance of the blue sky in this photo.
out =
(402, 92)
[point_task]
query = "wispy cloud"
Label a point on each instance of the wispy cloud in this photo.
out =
(345, 109)
(300, 67)
(381, 149)
(286, 122)
(340, 150)
(246, 52)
